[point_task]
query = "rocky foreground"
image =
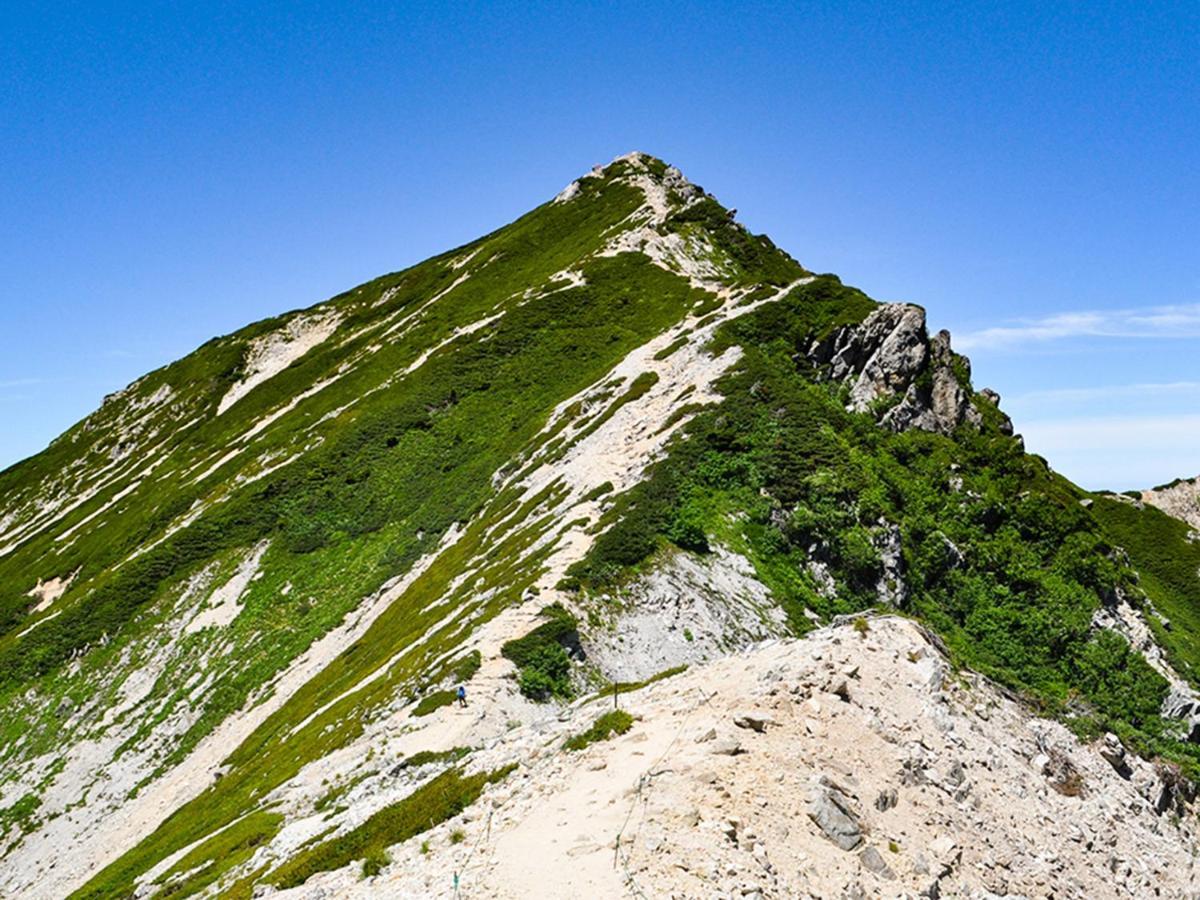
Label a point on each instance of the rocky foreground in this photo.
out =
(852, 763)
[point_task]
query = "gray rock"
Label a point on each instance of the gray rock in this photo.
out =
(886, 800)
(726, 747)
(753, 720)
(890, 355)
(832, 812)
(890, 589)
(873, 862)
(1113, 752)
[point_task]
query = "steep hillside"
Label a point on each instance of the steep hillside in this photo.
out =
(618, 436)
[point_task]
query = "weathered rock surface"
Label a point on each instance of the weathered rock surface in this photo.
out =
(906, 789)
(688, 609)
(894, 367)
(1180, 499)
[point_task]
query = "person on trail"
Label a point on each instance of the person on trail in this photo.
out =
(462, 695)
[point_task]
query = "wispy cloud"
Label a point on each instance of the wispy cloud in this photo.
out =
(1105, 392)
(1181, 321)
(19, 382)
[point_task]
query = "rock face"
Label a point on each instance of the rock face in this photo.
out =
(833, 813)
(686, 610)
(894, 367)
(1180, 499)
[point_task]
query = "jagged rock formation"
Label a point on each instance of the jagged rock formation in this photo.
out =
(618, 436)
(894, 368)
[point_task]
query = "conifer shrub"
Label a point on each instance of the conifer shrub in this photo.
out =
(543, 664)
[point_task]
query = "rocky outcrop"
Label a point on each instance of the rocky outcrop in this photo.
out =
(688, 609)
(1182, 703)
(1180, 499)
(894, 368)
(832, 811)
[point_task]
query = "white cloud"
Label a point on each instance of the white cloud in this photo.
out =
(1148, 322)
(19, 382)
(1106, 392)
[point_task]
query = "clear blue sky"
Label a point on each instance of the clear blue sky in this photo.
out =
(1029, 173)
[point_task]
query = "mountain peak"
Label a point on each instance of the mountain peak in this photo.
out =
(664, 187)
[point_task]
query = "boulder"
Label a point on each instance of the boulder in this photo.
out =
(887, 799)
(725, 747)
(832, 811)
(1113, 753)
(752, 720)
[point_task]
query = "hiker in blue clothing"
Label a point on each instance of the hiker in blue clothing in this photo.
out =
(462, 695)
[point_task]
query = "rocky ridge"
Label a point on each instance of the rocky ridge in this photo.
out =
(851, 763)
(894, 368)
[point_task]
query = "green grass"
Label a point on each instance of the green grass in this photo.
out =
(615, 721)
(431, 703)
(206, 863)
(436, 801)
(1169, 568)
(626, 687)
(375, 862)
(671, 348)
(426, 757)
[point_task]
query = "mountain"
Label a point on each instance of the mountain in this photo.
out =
(676, 511)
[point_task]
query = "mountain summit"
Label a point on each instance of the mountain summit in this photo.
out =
(711, 542)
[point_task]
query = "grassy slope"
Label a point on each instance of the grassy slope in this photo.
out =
(1168, 564)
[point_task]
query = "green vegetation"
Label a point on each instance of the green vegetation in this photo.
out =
(1008, 567)
(205, 864)
(375, 862)
(543, 665)
(615, 721)
(597, 492)
(436, 801)
(1168, 564)
(431, 703)
(426, 757)
(625, 687)
(671, 348)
